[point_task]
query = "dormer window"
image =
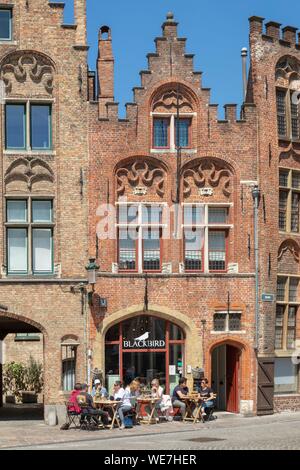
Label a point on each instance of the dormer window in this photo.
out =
(5, 24)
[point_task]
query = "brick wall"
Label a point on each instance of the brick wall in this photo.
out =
(47, 60)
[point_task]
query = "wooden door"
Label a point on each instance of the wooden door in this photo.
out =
(232, 367)
(265, 392)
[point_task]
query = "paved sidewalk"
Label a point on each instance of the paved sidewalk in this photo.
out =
(228, 431)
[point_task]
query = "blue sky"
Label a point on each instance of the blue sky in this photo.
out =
(216, 31)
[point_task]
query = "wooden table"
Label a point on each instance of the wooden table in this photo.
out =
(194, 414)
(111, 405)
(149, 402)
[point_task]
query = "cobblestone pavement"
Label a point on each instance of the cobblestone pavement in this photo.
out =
(227, 432)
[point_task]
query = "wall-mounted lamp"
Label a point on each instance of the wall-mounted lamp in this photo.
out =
(92, 269)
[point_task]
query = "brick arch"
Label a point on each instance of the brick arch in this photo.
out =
(184, 89)
(287, 69)
(22, 319)
(245, 367)
(69, 337)
(35, 52)
(141, 171)
(193, 341)
(288, 257)
(212, 172)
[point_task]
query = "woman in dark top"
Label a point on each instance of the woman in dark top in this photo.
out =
(207, 395)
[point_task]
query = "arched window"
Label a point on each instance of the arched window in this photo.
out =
(287, 98)
(146, 347)
(172, 113)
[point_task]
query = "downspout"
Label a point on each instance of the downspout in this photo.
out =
(255, 196)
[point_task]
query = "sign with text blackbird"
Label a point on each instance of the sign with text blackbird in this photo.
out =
(144, 332)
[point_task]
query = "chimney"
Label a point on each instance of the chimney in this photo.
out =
(80, 21)
(105, 67)
(244, 54)
(169, 27)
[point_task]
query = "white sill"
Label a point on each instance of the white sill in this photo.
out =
(8, 42)
(29, 152)
(228, 332)
(183, 151)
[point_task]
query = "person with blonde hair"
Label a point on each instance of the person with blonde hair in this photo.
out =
(126, 405)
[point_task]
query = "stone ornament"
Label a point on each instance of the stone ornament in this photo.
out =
(23, 65)
(140, 174)
(30, 170)
(292, 247)
(169, 100)
(207, 175)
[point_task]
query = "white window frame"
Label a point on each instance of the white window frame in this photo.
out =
(140, 226)
(29, 225)
(206, 227)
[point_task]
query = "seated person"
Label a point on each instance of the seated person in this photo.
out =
(99, 390)
(73, 404)
(126, 403)
(179, 392)
(164, 405)
(207, 395)
(85, 401)
(118, 391)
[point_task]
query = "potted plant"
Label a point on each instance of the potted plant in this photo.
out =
(33, 379)
(13, 381)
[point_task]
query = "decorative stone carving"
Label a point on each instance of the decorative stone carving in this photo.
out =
(291, 151)
(233, 268)
(207, 174)
(166, 268)
(22, 65)
(168, 100)
(141, 174)
(140, 191)
(206, 191)
(29, 170)
(115, 268)
(292, 247)
(288, 73)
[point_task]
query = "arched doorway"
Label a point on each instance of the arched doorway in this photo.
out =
(147, 347)
(20, 338)
(225, 372)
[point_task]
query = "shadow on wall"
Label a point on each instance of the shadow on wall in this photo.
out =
(10, 412)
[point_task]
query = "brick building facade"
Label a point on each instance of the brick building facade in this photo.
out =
(163, 200)
(44, 166)
(195, 267)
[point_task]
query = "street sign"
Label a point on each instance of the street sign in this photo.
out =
(268, 297)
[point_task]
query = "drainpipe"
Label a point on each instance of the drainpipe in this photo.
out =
(255, 196)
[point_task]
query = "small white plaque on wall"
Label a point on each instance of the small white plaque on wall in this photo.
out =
(140, 191)
(233, 268)
(206, 191)
(181, 268)
(115, 268)
(166, 268)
